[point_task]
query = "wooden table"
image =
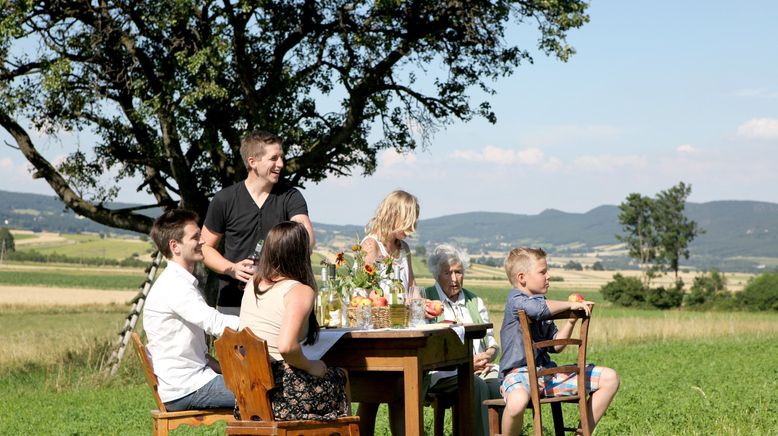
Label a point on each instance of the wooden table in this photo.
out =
(378, 359)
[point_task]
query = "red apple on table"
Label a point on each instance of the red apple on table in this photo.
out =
(434, 307)
(576, 298)
(380, 302)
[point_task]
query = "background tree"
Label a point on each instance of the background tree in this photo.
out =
(573, 265)
(656, 231)
(168, 87)
(674, 229)
(636, 216)
(707, 289)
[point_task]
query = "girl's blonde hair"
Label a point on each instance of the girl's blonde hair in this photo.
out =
(398, 211)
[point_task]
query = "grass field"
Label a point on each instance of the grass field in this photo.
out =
(682, 372)
(70, 279)
(83, 245)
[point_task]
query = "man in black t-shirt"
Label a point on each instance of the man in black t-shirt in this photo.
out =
(243, 213)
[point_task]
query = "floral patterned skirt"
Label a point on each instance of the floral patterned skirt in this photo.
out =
(299, 395)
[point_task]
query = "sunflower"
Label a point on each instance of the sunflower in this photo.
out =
(356, 247)
(340, 259)
(370, 269)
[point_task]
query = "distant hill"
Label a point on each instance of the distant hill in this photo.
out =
(732, 228)
(47, 212)
(739, 234)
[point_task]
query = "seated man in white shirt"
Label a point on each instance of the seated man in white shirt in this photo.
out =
(176, 318)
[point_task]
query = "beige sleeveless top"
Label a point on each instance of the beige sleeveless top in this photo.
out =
(264, 313)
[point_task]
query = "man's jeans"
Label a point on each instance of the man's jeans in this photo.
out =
(214, 395)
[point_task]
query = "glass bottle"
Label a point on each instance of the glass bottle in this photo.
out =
(255, 255)
(321, 299)
(334, 309)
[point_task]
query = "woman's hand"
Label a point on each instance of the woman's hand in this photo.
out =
(482, 361)
(429, 311)
(481, 364)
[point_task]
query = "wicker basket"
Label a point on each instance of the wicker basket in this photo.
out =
(380, 317)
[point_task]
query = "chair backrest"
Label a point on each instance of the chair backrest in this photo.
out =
(247, 372)
(148, 370)
(580, 341)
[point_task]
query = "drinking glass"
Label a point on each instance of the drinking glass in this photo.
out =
(364, 317)
(415, 292)
(417, 317)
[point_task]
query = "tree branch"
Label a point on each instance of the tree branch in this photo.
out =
(122, 220)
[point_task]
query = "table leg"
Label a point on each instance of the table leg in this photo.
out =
(464, 405)
(412, 379)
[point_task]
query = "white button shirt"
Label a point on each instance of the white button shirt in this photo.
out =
(176, 318)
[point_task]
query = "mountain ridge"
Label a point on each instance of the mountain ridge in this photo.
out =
(735, 230)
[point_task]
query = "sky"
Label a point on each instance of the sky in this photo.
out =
(658, 92)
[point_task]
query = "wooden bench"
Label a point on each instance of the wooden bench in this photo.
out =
(162, 421)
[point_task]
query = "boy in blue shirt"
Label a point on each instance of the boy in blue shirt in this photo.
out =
(527, 271)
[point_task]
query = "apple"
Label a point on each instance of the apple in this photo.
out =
(365, 302)
(575, 298)
(357, 300)
(435, 307)
(380, 302)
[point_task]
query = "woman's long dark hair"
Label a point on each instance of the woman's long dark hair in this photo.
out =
(286, 253)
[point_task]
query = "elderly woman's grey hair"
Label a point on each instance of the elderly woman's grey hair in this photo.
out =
(449, 255)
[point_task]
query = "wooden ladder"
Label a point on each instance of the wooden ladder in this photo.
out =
(132, 318)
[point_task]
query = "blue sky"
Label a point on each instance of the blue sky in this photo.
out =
(658, 92)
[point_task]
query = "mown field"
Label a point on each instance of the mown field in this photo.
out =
(682, 372)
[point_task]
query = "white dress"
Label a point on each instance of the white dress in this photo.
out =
(400, 266)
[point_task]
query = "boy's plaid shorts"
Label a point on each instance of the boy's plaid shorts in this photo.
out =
(556, 385)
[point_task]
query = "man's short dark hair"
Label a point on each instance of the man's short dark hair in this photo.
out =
(170, 227)
(254, 143)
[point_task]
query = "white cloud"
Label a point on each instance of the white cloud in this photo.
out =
(608, 162)
(759, 128)
(754, 93)
(504, 156)
(391, 158)
(686, 149)
(571, 133)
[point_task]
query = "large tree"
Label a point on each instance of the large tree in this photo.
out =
(636, 216)
(657, 231)
(676, 231)
(169, 86)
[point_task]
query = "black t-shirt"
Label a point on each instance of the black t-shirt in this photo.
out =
(235, 215)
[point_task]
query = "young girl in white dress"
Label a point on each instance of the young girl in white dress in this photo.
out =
(394, 220)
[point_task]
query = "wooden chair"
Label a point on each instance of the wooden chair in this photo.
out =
(536, 398)
(439, 404)
(247, 372)
(162, 421)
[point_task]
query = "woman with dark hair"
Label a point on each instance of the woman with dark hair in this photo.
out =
(278, 307)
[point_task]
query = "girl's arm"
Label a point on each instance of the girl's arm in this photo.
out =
(372, 252)
(411, 279)
(298, 304)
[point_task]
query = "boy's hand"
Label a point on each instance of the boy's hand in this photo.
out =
(586, 306)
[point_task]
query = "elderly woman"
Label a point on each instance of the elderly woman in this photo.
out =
(447, 265)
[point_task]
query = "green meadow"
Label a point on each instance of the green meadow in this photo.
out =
(85, 245)
(682, 372)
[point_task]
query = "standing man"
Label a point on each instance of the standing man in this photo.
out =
(176, 318)
(243, 213)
